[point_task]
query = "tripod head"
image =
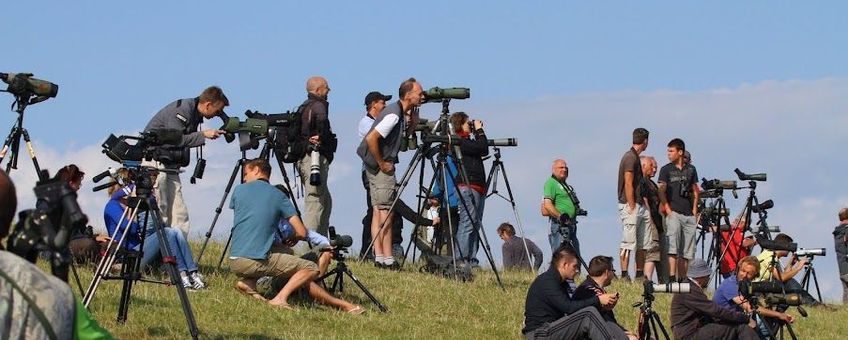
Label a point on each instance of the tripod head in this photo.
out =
(28, 90)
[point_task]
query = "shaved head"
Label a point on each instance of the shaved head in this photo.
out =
(8, 203)
(559, 169)
(315, 83)
(558, 162)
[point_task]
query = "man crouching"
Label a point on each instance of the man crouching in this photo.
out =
(257, 209)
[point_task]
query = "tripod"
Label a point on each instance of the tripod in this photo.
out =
(13, 140)
(265, 153)
(338, 273)
(131, 268)
(445, 139)
(649, 320)
(492, 182)
(810, 272)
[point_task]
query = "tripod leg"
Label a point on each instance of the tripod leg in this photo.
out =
(31, 154)
(227, 189)
(224, 252)
(365, 290)
(128, 274)
(170, 264)
(7, 145)
(816, 281)
(500, 165)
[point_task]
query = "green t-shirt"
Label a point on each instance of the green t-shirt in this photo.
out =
(555, 191)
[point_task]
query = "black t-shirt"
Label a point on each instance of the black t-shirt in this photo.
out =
(678, 188)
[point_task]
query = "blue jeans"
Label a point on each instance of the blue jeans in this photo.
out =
(556, 236)
(178, 246)
(467, 236)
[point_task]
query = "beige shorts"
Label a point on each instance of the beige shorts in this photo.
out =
(383, 188)
(277, 265)
(636, 231)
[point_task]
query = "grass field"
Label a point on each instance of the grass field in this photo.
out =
(420, 306)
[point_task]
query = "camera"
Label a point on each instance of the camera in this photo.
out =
(48, 226)
(802, 252)
(314, 166)
(23, 84)
(503, 142)
(339, 241)
(156, 144)
(761, 177)
(669, 288)
(748, 288)
(762, 207)
(713, 184)
(790, 299)
(714, 212)
(776, 246)
(436, 94)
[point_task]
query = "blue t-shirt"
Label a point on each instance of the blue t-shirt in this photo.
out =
(257, 208)
(727, 290)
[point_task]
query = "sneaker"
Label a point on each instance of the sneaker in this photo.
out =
(187, 283)
(197, 279)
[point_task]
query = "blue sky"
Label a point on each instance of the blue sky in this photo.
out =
(760, 86)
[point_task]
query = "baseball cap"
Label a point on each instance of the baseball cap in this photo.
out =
(374, 95)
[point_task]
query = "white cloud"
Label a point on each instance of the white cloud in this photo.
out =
(792, 129)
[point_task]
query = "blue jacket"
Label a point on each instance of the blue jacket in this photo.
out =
(452, 200)
(112, 215)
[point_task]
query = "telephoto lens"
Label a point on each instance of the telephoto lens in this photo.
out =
(315, 169)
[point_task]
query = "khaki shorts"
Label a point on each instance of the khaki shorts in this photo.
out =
(383, 188)
(636, 231)
(277, 265)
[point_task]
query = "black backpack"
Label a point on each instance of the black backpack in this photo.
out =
(289, 147)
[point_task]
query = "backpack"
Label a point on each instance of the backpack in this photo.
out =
(288, 146)
(442, 264)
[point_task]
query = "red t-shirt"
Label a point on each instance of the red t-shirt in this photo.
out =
(735, 251)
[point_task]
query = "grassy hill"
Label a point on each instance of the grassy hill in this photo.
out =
(420, 306)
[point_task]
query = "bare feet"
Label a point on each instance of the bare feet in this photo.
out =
(248, 287)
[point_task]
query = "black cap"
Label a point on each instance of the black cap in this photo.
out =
(374, 96)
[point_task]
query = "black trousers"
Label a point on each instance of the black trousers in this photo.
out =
(586, 323)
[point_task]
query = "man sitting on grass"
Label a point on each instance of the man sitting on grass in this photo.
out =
(257, 209)
(600, 275)
(551, 312)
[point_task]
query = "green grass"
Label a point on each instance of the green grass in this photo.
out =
(420, 306)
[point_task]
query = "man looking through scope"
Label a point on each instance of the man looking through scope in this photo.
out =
(184, 115)
(772, 270)
(379, 152)
(694, 316)
(727, 295)
(472, 191)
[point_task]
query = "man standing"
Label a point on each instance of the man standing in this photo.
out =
(374, 103)
(321, 141)
(551, 312)
(258, 207)
(184, 115)
(658, 255)
(678, 191)
(635, 236)
(840, 240)
(379, 152)
(472, 191)
(559, 207)
(514, 251)
(694, 316)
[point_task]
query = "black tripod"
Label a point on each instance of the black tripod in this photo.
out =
(131, 268)
(492, 183)
(810, 275)
(649, 320)
(445, 140)
(338, 273)
(13, 141)
(265, 153)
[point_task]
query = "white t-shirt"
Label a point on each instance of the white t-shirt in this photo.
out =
(364, 126)
(384, 128)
